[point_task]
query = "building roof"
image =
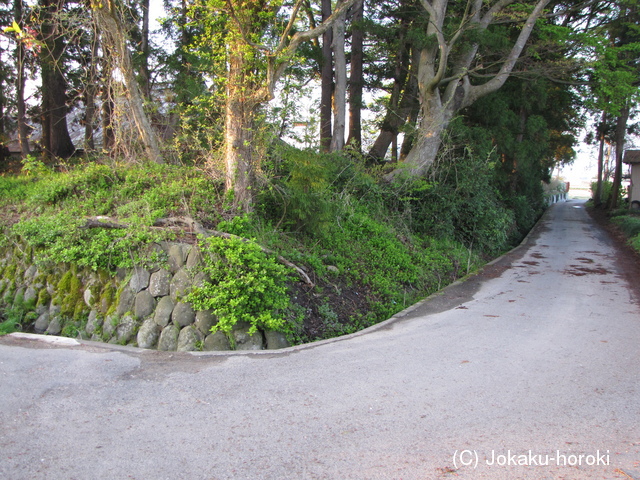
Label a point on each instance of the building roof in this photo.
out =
(631, 156)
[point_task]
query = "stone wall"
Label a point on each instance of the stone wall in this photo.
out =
(143, 307)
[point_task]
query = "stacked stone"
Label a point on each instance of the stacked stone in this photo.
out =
(149, 310)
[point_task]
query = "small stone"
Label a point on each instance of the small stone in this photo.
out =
(139, 279)
(245, 341)
(194, 259)
(169, 338)
(205, 319)
(183, 314)
(188, 339)
(276, 340)
(333, 269)
(177, 256)
(126, 329)
(216, 341)
(93, 322)
(30, 296)
(55, 327)
(88, 297)
(144, 304)
(109, 326)
(54, 309)
(180, 284)
(159, 283)
(127, 299)
(200, 279)
(148, 334)
(163, 311)
(42, 323)
(30, 273)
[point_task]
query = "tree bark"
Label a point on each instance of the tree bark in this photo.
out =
(340, 91)
(239, 123)
(356, 78)
(403, 98)
(597, 200)
(23, 129)
(621, 131)
(245, 95)
(145, 75)
(55, 132)
(113, 35)
(326, 79)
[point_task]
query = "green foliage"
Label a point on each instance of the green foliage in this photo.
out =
(607, 189)
(245, 285)
(629, 224)
(459, 201)
(135, 196)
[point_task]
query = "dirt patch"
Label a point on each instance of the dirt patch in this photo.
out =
(585, 260)
(578, 271)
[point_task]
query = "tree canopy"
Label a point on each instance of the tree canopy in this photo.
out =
(221, 81)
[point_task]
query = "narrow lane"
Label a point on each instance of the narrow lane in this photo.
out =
(534, 361)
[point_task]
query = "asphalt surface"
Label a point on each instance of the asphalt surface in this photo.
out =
(528, 370)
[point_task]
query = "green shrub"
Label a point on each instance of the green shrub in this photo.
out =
(246, 285)
(629, 224)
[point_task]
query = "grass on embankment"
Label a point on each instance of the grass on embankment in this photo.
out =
(371, 249)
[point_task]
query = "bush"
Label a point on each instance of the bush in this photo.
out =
(629, 224)
(245, 285)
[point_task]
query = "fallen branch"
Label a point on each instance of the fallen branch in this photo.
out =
(99, 222)
(200, 230)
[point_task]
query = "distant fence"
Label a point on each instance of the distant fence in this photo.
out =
(555, 191)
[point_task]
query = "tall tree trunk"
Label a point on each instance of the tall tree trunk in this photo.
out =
(597, 200)
(145, 76)
(340, 92)
(23, 129)
(356, 79)
(410, 125)
(55, 132)
(3, 100)
(326, 79)
(621, 131)
(403, 97)
(113, 35)
(91, 90)
(239, 116)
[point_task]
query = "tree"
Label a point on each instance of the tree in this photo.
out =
(449, 63)
(257, 53)
(326, 81)
(400, 53)
(340, 82)
(114, 41)
(356, 78)
(56, 140)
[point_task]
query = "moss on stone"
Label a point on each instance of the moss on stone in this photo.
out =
(10, 271)
(64, 285)
(43, 298)
(81, 311)
(107, 299)
(69, 292)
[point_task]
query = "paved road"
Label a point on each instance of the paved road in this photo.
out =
(535, 361)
